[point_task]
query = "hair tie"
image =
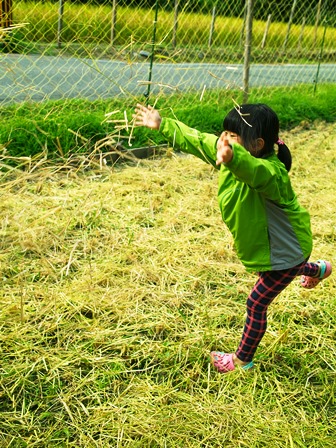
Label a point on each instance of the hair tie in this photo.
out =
(280, 142)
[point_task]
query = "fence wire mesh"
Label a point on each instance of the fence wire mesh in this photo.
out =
(99, 49)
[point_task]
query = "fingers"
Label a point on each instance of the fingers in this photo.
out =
(140, 108)
(140, 114)
(222, 156)
(224, 151)
(146, 116)
(138, 121)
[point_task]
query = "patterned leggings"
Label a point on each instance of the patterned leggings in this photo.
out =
(268, 286)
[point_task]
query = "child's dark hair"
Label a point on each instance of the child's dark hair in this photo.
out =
(253, 121)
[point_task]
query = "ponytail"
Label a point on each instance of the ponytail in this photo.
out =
(284, 154)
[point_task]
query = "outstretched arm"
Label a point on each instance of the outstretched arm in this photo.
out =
(181, 136)
(147, 116)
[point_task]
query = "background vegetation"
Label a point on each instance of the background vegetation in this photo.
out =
(87, 23)
(281, 11)
(59, 129)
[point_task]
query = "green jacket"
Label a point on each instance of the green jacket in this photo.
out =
(271, 230)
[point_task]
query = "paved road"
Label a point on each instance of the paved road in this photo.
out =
(37, 78)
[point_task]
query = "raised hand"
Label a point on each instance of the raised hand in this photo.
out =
(224, 150)
(147, 116)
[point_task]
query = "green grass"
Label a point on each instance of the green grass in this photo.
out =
(118, 280)
(59, 128)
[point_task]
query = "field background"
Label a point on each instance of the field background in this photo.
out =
(185, 31)
(194, 32)
(176, 32)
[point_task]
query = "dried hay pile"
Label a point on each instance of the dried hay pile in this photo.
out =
(116, 284)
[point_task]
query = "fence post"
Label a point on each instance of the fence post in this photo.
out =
(242, 31)
(6, 13)
(248, 44)
(60, 23)
(212, 26)
(152, 53)
(263, 43)
(318, 16)
(320, 57)
(175, 22)
(114, 20)
(301, 32)
(289, 24)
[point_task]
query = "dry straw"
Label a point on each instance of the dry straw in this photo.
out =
(117, 281)
(4, 32)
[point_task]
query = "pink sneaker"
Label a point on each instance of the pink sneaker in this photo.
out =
(325, 270)
(223, 362)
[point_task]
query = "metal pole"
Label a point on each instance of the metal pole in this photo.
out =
(212, 26)
(320, 57)
(176, 7)
(247, 53)
(152, 54)
(114, 20)
(290, 24)
(263, 43)
(60, 23)
(301, 32)
(318, 16)
(243, 27)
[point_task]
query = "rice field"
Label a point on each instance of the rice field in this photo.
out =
(118, 280)
(89, 23)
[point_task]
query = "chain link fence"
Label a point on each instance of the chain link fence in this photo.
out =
(98, 49)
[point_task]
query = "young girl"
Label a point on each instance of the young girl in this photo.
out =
(271, 230)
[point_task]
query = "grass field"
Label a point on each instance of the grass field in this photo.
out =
(117, 281)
